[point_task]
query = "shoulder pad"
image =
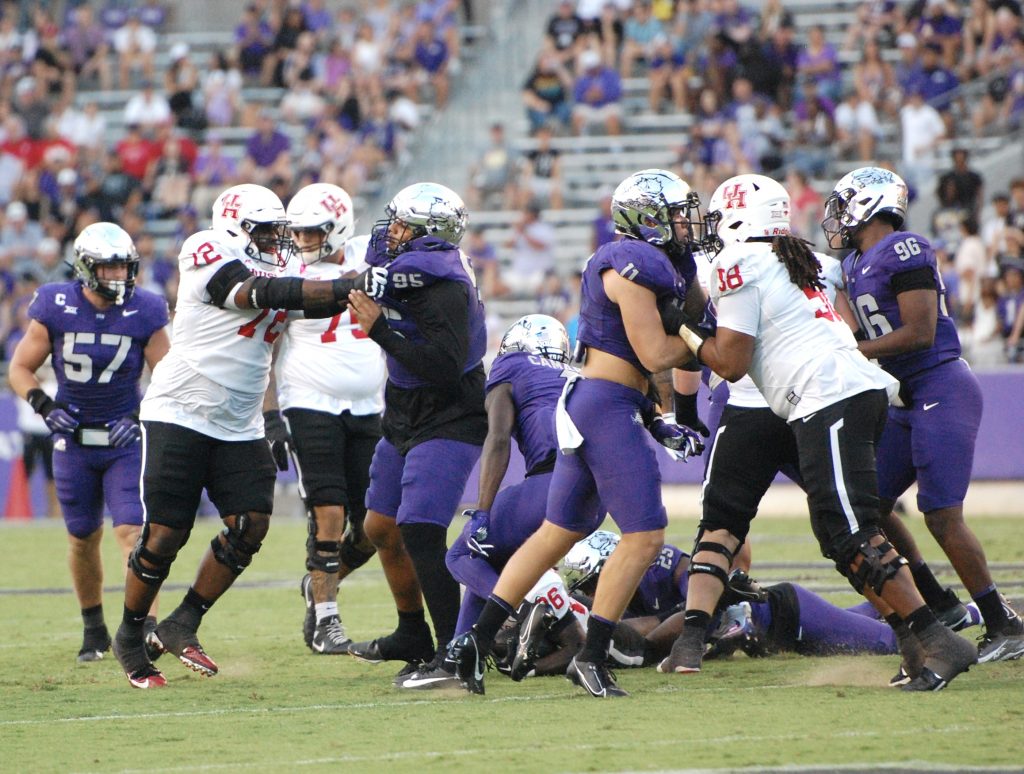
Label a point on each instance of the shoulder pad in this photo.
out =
(903, 251)
(208, 247)
(643, 264)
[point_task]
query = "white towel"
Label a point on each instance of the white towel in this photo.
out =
(569, 437)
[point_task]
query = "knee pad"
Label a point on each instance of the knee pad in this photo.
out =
(872, 571)
(159, 565)
(707, 568)
(323, 555)
(356, 550)
(241, 541)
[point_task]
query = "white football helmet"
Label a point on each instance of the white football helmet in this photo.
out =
(256, 216)
(537, 334)
(746, 207)
(585, 559)
(106, 243)
(324, 208)
(644, 204)
(429, 209)
(857, 198)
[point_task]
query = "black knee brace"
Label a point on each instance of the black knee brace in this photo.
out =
(872, 571)
(706, 567)
(356, 548)
(159, 566)
(323, 555)
(241, 542)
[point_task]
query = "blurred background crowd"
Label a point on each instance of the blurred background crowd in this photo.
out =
(140, 113)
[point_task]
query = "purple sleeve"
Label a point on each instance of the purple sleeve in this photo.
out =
(906, 252)
(39, 307)
(643, 264)
(502, 372)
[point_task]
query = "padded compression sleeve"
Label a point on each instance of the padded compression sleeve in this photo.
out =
(921, 278)
(226, 279)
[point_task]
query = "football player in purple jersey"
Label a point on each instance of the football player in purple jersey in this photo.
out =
(430, 324)
(100, 330)
(897, 296)
(604, 454)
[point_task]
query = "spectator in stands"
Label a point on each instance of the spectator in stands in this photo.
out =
(303, 103)
(492, 176)
(962, 185)
(553, 296)
(597, 94)
(777, 76)
(19, 238)
(541, 179)
(1002, 104)
(286, 39)
(640, 33)
(253, 40)
(31, 105)
(147, 108)
(367, 62)
(85, 128)
(985, 343)
(818, 63)
(602, 228)
(736, 23)
(668, 73)
(564, 29)
(938, 83)
(1001, 239)
(979, 24)
(971, 262)
(267, 152)
(49, 262)
(318, 19)
(222, 90)
(86, 45)
(807, 208)
(169, 182)
(432, 59)
(546, 92)
(811, 147)
(533, 252)
(181, 79)
(1011, 306)
(921, 128)
(873, 77)
(378, 138)
(135, 45)
(940, 24)
(1016, 217)
(857, 126)
(997, 51)
(485, 263)
(907, 70)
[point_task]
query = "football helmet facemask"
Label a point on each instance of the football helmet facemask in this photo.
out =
(425, 209)
(254, 215)
(537, 334)
(106, 244)
(858, 197)
(585, 559)
(648, 205)
(325, 209)
(746, 207)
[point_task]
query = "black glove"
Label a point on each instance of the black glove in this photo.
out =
(674, 318)
(276, 432)
(686, 412)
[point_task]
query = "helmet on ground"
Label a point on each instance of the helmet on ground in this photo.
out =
(747, 207)
(537, 334)
(860, 196)
(256, 216)
(106, 244)
(427, 209)
(326, 209)
(585, 559)
(646, 203)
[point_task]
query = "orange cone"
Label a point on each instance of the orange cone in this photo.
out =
(19, 500)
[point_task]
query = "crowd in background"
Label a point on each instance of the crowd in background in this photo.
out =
(318, 90)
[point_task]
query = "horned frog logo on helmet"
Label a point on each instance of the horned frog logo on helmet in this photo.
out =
(586, 558)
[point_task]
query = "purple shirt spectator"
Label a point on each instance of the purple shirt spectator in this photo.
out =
(432, 55)
(317, 17)
(604, 230)
(215, 168)
(380, 132)
(606, 85)
(264, 149)
(82, 40)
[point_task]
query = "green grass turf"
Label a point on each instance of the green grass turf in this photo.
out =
(276, 707)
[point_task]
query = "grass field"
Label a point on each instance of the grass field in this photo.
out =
(276, 707)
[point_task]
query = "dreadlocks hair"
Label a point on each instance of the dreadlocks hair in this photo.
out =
(803, 267)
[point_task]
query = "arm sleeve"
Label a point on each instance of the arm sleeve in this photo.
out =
(442, 316)
(224, 281)
(922, 278)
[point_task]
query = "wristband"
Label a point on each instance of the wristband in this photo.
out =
(40, 402)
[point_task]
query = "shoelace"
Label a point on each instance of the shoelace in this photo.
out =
(335, 631)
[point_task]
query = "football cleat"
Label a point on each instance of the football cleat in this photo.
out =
(309, 621)
(329, 637)
(534, 628)
(405, 671)
(686, 655)
(137, 667)
(95, 642)
(595, 679)
(171, 637)
(900, 678)
(394, 647)
(469, 662)
(1007, 644)
(952, 612)
(946, 655)
(913, 656)
(438, 674)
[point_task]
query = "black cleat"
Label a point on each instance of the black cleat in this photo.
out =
(181, 641)
(946, 655)
(469, 662)
(595, 679)
(437, 675)
(913, 656)
(951, 611)
(534, 628)
(405, 671)
(309, 621)
(137, 667)
(394, 647)
(95, 642)
(329, 637)
(686, 654)
(1007, 644)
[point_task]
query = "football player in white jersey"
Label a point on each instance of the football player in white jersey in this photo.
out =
(202, 423)
(776, 323)
(330, 385)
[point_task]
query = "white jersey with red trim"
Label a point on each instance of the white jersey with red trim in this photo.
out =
(805, 357)
(215, 375)
(331, 365)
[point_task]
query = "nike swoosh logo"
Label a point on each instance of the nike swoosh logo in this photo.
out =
(928, 406)
(865, 270)
(127, 313)
(810, 416)
(416, 682)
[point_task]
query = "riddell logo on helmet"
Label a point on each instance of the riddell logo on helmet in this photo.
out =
(335, 205)
(231, 206)
(735, 197)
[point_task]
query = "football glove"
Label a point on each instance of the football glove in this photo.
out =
(677, 322)
(58, 418)
(480, 524)
(681, 442)
(686, 412)
(375, 281)
(277, 435)
(124, 432)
